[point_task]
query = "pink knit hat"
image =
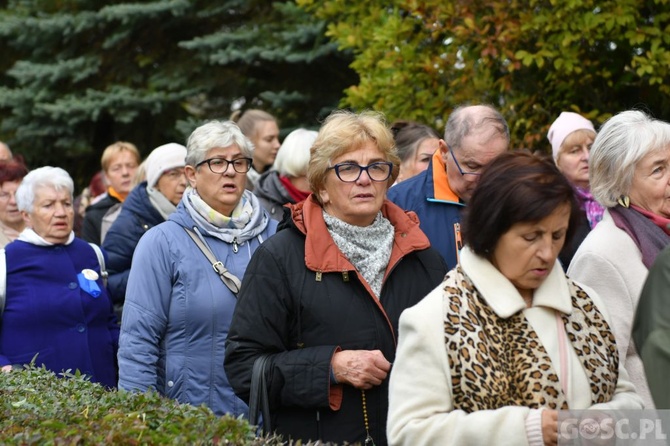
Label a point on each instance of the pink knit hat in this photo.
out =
(565, 124)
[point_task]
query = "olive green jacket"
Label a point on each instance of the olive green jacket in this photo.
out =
(651, 329)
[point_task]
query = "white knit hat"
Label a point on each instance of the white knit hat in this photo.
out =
(565, 124)
(162, 159)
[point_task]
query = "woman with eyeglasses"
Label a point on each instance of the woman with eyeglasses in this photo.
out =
(186, 273)
(322, 298)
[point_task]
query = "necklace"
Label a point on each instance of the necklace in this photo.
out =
(368, 438)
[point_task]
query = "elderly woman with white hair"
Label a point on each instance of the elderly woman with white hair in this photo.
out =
(57, 311)
(186, 273)
(149, 204)
(630, 176)
(287, 181)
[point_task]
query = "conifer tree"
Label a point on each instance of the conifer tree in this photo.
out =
(80, 74)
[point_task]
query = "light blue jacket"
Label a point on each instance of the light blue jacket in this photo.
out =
(177, 312)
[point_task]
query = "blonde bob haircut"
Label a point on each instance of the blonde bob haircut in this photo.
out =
(114, 149)
(343, 132)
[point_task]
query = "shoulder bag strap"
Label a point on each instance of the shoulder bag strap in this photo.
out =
(101, 261)
(229, 279)
(259, 403)
(3, 281)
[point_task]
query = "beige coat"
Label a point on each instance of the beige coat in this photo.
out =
(421, 409)
(609, 262)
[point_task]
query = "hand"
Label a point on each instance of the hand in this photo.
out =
(550, 427)
(361, 369)
(6, 368)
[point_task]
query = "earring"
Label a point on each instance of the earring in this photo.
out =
(624, 201)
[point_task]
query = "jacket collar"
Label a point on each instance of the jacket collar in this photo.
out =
(321, 252)
(501, 295)
(439, 179)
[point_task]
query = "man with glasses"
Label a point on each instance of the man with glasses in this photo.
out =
(474, 135)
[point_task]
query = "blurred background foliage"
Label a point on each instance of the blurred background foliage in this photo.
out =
(77, 75)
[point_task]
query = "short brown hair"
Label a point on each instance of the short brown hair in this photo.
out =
(515, 187)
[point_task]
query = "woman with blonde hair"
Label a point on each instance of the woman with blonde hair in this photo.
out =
(119, 163)
(344, 267)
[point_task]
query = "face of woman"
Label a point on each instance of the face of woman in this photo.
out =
(419, 162)
(359, 202)
(221, 191)
(52, 216)
(526, 253)
(573, 159)
(121, 171)
(266, 144)
(650, 189)
(9, 212)
(172, 184)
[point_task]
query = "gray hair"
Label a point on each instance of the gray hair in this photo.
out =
(468, 119)
(215, 134)
(46, 176)
(621, 143)
(293, 155)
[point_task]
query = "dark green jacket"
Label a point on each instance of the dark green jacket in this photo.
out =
(651, 329)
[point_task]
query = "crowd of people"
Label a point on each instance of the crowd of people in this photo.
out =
(394, 285)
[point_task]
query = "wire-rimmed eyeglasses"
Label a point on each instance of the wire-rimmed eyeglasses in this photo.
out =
(351, 172)
(458, 166)
(220, 165)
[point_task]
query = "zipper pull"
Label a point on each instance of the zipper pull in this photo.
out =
(459, 241)
(236, 247)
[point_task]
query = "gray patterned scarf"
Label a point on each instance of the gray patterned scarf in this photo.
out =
(367, 248)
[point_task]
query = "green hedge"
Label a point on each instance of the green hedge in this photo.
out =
(37, 407)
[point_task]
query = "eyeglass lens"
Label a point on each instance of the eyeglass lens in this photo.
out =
(350, 172)
(220, 165)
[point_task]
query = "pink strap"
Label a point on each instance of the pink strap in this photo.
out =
(563, 353)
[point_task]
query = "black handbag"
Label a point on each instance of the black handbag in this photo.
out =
(259, 403)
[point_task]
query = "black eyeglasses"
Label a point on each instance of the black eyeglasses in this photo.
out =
(351, 172)
(458, 166)
(220, 165)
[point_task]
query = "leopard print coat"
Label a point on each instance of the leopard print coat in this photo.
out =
(497, 362)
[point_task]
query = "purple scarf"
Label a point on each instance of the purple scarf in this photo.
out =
(594, 210)
(648, 237)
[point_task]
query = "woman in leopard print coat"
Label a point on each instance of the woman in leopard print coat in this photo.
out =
(507, 340)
